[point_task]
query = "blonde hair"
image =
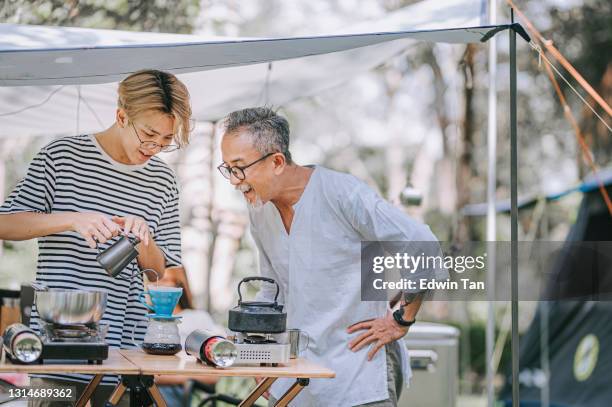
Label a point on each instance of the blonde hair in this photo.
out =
(155, 90)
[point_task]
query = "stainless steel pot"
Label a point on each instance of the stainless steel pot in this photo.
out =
(70, 306)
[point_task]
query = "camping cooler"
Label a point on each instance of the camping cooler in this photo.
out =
(434, 358)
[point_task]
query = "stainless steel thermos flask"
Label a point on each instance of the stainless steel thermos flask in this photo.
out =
(22, 344)
(211, 349)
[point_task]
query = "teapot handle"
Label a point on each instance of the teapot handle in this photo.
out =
(266, 279)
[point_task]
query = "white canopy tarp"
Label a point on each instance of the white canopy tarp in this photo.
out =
(59, 80)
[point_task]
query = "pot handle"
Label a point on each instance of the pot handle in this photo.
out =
(266, 279)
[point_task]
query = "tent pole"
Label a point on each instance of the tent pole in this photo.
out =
(514, 220)
(491, 215)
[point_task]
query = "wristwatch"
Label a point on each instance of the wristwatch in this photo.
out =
(398, 316)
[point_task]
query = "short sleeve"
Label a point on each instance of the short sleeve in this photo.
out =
(34, 193)
(168, 235)
(378, 220)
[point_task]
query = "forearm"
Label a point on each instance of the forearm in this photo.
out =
(30, 225)
(412, 308)
(151, 257)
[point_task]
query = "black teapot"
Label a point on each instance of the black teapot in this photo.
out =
(258, 316)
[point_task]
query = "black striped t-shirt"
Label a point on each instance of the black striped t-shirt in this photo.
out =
(74, 174)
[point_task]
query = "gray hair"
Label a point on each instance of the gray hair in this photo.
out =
(268, 130)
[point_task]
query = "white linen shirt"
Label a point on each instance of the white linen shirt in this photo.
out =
(317, 266)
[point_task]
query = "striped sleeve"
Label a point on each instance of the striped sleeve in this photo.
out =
(34, 193)
(168, 236)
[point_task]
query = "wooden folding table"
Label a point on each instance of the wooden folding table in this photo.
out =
(137, 370)
(116, 364)
(184, 365)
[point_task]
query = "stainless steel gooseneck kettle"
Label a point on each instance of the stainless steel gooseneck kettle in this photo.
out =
(115, 258)
(121, 253)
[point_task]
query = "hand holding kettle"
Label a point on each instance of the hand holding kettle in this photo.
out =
(115, 258)
(94, 227)
(134, 225)
(98, 228)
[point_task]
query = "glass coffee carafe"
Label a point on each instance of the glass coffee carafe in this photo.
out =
(162, 336)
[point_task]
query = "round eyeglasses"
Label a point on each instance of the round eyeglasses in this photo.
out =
(238, 171)
(152, 145)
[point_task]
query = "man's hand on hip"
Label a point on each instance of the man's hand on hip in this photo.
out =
(379, 332)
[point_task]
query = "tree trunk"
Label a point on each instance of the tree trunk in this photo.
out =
(596, 134)
(396, 174)
(445, 181)
(212, 222)
(197, 228)
(465, 146)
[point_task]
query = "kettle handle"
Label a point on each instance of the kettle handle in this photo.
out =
(266, 279)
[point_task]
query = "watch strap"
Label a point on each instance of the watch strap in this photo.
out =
(398, 316)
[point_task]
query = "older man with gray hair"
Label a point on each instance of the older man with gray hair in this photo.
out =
(308, 223)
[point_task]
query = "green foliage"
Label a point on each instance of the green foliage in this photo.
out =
(172, 16)
(475, 334)
(586, 35)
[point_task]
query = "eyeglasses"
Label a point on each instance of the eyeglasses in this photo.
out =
(151, 145)
(237, 171)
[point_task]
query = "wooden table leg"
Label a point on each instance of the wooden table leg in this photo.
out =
(88, 391)
(156, 396)
(292, 392)
(257, 392)
(117, 394)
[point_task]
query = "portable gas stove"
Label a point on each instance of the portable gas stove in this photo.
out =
(79, 342)
(261, 349)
